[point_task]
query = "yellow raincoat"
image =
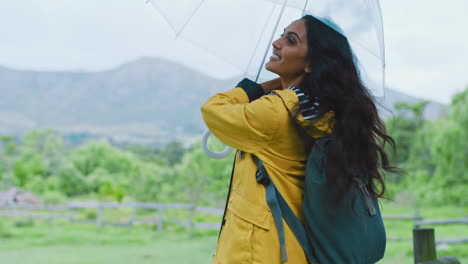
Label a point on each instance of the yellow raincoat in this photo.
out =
(263, 127)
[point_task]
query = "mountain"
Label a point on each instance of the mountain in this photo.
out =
(144, 101)
(144, 98)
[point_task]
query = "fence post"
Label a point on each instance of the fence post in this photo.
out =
(99, 215)
(192, 209)
(132, 218)
(417, 217)
(72, 214)
(424, 245)
(50, 214)
(160, 219)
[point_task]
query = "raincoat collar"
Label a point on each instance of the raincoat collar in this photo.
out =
(315, 127)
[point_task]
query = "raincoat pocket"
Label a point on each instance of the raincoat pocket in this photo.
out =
(243, 218)
(249, 211)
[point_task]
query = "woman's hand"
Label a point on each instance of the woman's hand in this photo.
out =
(274, 84)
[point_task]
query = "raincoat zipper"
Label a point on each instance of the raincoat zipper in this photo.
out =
(227, 199)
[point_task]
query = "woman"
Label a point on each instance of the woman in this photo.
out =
(319, 93)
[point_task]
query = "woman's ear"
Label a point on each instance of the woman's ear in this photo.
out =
(308, 69)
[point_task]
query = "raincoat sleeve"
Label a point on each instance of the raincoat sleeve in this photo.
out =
(242, 118)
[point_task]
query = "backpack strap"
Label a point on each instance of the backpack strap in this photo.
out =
(281, 210)
(297, 228)
(271, 192)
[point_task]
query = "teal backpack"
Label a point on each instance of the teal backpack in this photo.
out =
(351, 232)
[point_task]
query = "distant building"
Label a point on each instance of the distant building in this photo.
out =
(17, 196)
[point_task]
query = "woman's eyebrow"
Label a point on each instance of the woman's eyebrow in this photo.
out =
(295, 34)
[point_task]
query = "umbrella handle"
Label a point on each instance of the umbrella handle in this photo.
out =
(209, 152)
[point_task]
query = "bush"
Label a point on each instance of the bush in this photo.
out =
(24, 223)
(90, 214)
(72, 182)
(36, 184)
(54, 197)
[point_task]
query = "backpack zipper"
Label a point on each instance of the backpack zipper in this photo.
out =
(368, 201)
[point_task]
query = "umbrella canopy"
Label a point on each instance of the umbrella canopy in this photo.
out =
(240, 32)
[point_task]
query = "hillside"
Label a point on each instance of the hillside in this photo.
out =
(145, 101)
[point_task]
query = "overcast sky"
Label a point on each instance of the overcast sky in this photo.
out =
(426, 40)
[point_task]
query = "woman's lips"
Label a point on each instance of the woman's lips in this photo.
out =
(275, 57)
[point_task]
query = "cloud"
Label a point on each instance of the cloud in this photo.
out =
(426, 44)
(426, 40)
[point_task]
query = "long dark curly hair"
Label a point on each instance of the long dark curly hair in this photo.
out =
(359, 135)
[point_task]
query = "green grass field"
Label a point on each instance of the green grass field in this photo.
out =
(81, 244)
(25, 242)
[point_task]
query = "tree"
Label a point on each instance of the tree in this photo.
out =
(403, 128)
(9, 152)
(438, 157)
(173, 152)
(40, 155)
(148, 154)
(203, 180)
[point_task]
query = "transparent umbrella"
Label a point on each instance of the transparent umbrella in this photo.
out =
(240, 32)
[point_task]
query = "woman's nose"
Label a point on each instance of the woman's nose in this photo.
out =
(276, 44)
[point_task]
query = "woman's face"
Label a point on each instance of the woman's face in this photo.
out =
(289, 52)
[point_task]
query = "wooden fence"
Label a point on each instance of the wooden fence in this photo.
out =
(423, 238)
(424, 249)
(69, 212)
(419, 222)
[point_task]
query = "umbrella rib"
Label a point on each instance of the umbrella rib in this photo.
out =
(382, 27)
(369, 9)
(164, 16)
(383, 48)
(380, 36)
(225, 60)
(305, 7)
(258, 42)
(366, 49)
(190, 18)
(271, 39)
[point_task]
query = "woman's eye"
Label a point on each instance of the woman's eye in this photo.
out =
(290, 40)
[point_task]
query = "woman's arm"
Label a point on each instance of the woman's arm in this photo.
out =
(242, 118)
